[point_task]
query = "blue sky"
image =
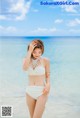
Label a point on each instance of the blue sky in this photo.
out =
(30, 18)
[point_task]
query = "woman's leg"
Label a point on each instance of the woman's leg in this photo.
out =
(40, 106)
(31, 104)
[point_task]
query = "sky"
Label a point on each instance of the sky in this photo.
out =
(31, 18)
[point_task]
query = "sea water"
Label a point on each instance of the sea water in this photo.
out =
(64, 55)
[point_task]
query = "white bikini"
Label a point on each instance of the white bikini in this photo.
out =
(33, 90)
(39, 70)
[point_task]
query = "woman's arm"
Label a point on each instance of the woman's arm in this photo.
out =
(47, 71)
(26, 61)
(47, 76)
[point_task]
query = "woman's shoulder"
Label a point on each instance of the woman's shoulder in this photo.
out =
(45, 59)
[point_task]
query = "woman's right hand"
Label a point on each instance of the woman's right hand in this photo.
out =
(32, 46)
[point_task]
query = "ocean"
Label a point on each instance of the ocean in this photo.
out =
(64, 55)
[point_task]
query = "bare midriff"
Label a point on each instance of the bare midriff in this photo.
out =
(36, 80)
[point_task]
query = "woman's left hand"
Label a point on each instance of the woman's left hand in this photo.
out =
(46, 89)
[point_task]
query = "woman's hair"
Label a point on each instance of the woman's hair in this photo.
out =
(40, 45)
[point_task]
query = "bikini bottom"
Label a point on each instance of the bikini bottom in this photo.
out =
(34, 91)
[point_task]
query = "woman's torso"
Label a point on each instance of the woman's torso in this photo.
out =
(37, 75)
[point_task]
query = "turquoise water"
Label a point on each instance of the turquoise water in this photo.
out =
(64, 55)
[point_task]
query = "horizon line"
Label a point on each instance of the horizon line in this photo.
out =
(39, 36)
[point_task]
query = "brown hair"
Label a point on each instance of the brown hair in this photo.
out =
(39, 45)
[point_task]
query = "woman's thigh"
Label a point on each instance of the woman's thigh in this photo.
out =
(40, 106)
(31, 104)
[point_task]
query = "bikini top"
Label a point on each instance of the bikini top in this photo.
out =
(39, 70)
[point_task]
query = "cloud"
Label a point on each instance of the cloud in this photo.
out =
(9, 29)
(70, 8)
(74, 22)
(76, 0)
(44, 30)
(15, 10)
(35, 10)
(2, 17)
(58, 21)
(74, 31)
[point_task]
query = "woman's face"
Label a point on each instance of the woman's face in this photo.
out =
(37, 53)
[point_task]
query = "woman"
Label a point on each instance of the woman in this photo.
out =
(38, 69)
